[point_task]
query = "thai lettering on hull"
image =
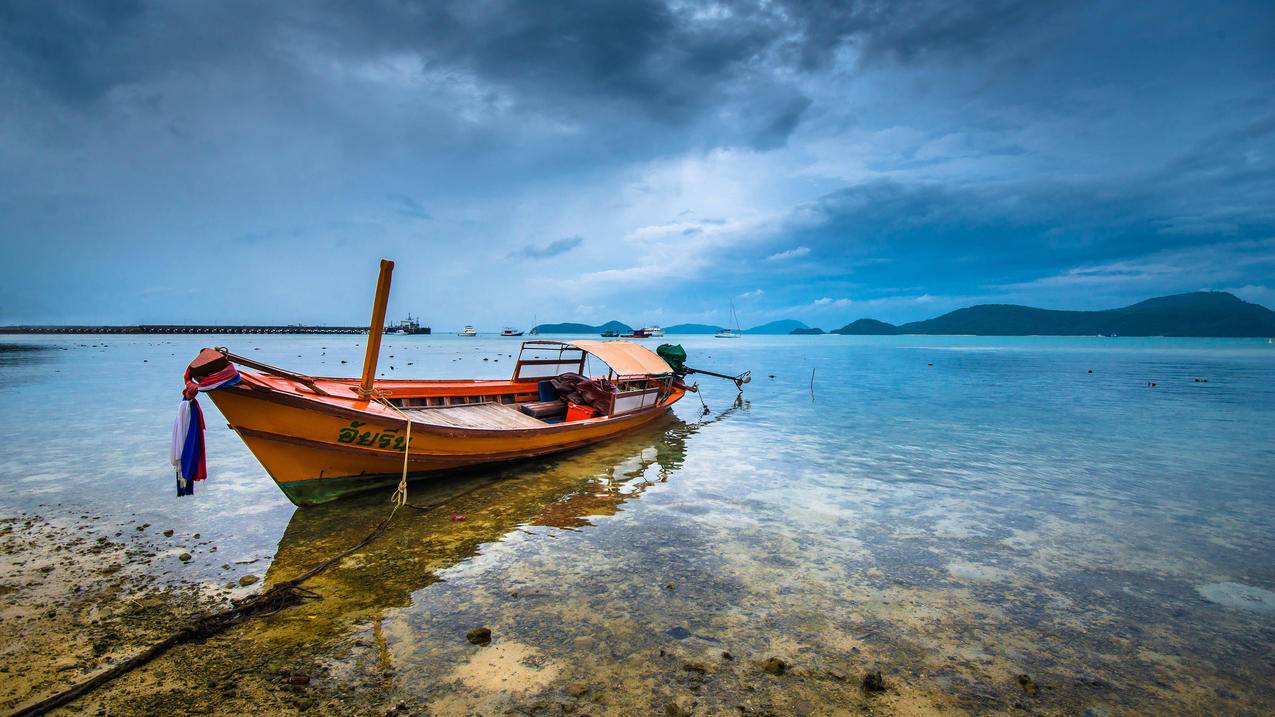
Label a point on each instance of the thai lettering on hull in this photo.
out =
(387, 438)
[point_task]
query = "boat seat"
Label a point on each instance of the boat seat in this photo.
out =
(545, 409)
(474, 415)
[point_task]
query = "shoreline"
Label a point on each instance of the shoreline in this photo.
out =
(76, 600)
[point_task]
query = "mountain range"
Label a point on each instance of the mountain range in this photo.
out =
(1201, 313)
(570, 328)
(785, 326)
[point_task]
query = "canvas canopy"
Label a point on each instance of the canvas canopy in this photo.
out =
(624, 357)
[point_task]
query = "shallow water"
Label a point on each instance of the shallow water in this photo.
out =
(956, 511)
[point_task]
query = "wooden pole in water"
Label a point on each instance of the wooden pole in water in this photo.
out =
(377, 326)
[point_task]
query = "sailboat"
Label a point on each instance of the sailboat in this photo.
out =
(728, 333)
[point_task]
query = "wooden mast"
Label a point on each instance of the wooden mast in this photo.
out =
(376, 328)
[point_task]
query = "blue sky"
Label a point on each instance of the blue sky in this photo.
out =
(644, 161)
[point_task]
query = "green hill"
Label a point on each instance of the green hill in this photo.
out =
(1201, 313)
(783, 326)
(570, 328)
(692, 329)
(867, 327)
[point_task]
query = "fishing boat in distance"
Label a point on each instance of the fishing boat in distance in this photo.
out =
(322, 438)
(637, 334)
(609, 334)
(467, 331)
(510, 331)
(653, 331)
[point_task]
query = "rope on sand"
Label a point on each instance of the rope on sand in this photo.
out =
(284, 594)
(278, 597)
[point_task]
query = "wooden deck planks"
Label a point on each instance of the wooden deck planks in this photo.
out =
(475, 415)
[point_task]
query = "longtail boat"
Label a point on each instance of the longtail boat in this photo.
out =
(322, 438)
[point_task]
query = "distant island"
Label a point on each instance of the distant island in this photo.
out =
(1200, 314)
(692, 329)
(784, 326)
(570, 328)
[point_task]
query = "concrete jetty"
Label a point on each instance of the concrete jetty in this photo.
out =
(189, 329)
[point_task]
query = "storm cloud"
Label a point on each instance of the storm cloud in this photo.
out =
(877, 153)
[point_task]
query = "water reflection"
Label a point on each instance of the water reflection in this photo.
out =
(15, 359)
(455, 516)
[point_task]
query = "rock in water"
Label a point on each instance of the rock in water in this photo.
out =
(247, 580)
(479, 636)
(874, 682)
(775, 666)
(1029, 685)
(184, 557)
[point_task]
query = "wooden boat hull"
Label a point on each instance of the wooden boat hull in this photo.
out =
(318, 449)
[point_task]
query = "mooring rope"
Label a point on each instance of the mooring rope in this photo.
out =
(400, 493)
(281, 595)
(284, 594)
(278, 597)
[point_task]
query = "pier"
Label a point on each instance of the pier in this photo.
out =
(191, 329)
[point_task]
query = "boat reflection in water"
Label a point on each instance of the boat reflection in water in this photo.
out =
(564, 492)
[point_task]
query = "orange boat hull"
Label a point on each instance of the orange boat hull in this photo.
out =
(318, 448)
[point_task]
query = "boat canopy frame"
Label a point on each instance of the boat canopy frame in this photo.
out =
(625, 359)
(642, 378)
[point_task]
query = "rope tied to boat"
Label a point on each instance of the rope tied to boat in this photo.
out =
(400, 493)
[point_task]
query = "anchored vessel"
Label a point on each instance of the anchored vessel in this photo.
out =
(321, 438)
(729, 333)
(467, 331)
(411, 325)
(510, 331)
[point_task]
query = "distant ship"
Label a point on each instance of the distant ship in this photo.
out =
(610, 334)
(637, 334)
(510, 331)
(410, 325)
(468, 331)
(653, 331)
(728, 333)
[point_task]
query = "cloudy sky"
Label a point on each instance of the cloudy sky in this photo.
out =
(645, 161)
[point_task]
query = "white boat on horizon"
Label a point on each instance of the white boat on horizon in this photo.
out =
(468, 331)
(730, 333)
(652, 331)
(510, 331)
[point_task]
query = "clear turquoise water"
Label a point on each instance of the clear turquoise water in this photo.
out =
(955, 509)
